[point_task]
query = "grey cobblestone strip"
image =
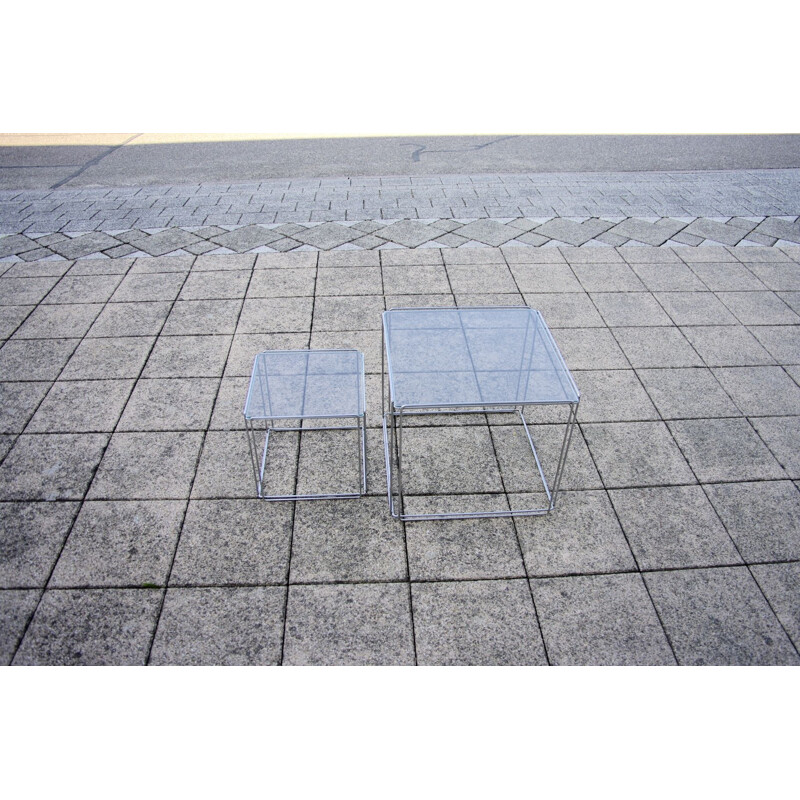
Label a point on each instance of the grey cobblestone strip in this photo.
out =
(612, 196)
(371, 235)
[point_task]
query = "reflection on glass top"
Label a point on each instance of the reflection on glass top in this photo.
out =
(473, 356)
(289, 384)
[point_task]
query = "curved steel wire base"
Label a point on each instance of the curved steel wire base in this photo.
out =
(392, 448)
(259, 459)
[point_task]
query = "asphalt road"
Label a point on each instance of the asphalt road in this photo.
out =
(142, 159)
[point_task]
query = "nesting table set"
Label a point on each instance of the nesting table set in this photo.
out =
(435, 361)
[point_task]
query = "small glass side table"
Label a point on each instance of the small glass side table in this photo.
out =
(303, 386)
(471, 361)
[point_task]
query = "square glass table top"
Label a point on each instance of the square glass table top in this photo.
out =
(295, 384)
(442, 357)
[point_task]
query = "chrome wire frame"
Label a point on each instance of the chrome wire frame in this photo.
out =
(258, 456)
(393, 453)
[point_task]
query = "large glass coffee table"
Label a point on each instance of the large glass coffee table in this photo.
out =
(491, 360)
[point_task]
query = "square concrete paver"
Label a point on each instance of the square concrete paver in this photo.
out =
(725, 450)
(782, 437)
(152, 287)
(612, 396)
(114, 357)
(81, 406)
(91, 627)
(670, 527)
(18, 402)
(687, 393)
(719, 616)
(760, 391)
(55, 466)
(223, 285)
(656, 347)
(781, 586)
(355, 541)
(759, 308)
(188, 357)
(62, 321)
(130, 319)
(233, 542)
(566, 309)
(581, 535)
(36, 359)
(726, 277)
(476, 623)
(230, 626)
(349, 624)
(727, 346)
(348, 281)
(636, 454)
(282, 283)
(16, 608)
(147, 466)
(600, 620)
(197, 317)
(159, 404)
(630, 308)
(461, 549)
(762, 518)
(120, 543)
(31, 537)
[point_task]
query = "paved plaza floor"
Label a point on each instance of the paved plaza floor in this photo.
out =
(130, 532)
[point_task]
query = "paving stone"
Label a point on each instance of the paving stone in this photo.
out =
(760, 391)
(782, 341)
(222, 285)
(81, 407)
(650, 261)
(16, 608)
(409, 233)
(762, 518)
(149, 287)
(462, 549)
(337, 541)
(718, 616)
(473, 256)
(602, 277)
(671, 527)
(725, 450)
(629, 309)
(120, 543)
(35, 359)
(37, 269)
(759, 308)
(339, 281)
(600, 620)
(11, 317)
(710, 253)
(282, 283)
(16, 244)
(429, 256)
(160, 404)
(687, 393)
(777, 276)
(275, 315)
(108, 358)
(716, 231)
(54, 322)
(657, 347)
(695, 308)
(782, 437)
(356, 624)
(84, 245)
(198, 317)
(173, 263)
(233, 542)
(223, 261)
(780, 229)
(727, 277)
(167, 241)
(589, 348)
(188, 357)
(574, 233)
(247, 238)
(31, 537)
(18, 402)
(50, 467)
(727, 346)
(566, 309)
(147, 466)
(91, 627)
(612, 396)
(488, 231)
(518, 468)
(245, 347)
(651, 233)
(348, 313)
(581, 535)
(792, 299)
(225, 468)
(542, 278)
(476, 623)
(284, 245)
(450, 240)
(781, 586)
(24, 291)
(636, 454)
(449, 461)
(220, 626)
(130, 319)
(83, 289)
(419, 279)
(492, 278)
(326, 236)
